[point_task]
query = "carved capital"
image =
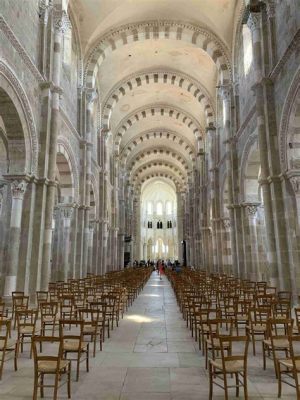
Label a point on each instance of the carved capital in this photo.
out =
(44, 8)
(225, 92)
(295, 182)
(18, 189)
(271, 8)
(252, 208)
(91, 97)
(253, 21)
(226, 223)
(61, 20)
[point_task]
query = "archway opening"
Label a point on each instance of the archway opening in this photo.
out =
(159, 235)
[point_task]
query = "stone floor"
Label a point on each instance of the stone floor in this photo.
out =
(151, 356)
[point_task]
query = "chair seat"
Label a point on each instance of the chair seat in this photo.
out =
(216, 343)
(72, 345)
(288, 363)
(230, 366)
(10, 344)
(242, 318)
(51, 366)
(278, 343)
(258, 328)
(48, 319)
(27, 330)
(89, 329)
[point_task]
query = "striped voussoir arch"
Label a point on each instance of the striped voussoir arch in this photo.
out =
(161, 152)
(160, 133)
(161, 164)
(154, 111)
(159, 174)
(174, 78)
(165, 29)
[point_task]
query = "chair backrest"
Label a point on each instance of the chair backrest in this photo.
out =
(238, 352)
(279, 327)
(49, 309)
(27, 318)
(259, 315)
(71, 330)
(20, 302)
(4, 333)
(52, 351)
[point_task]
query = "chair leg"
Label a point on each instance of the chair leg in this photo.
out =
(55, 387)
(279, 385)
(210, 382)
(42, 385)
(225, 386)
(69, 381)
(2, 363)
(237, 387)
(35, 387)
(245, 385)
(78, 365)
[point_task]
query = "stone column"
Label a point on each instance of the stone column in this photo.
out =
(92, 227)
(179, 225)
(226, 95)
(251, 209)
(60, 23)
(18, 189)
(66, 214)
(91, 96)
(278, 257)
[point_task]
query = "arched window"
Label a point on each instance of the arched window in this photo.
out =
(247, 48)
(159, 208)
(149, 208)
(169, 207)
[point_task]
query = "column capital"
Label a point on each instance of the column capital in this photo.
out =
(251, 208)
(91, 96)
(225, 92)
(295, 183)
(18, 189)
(253, 21)
(61, 20)
(271, 8)
(226, 223)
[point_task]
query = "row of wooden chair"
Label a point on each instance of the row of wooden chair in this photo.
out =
(225, 314)
(60, 328)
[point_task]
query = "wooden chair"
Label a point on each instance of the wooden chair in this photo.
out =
(277, 341)
(49, 314)
(93, 326)
(217, 327)
(41, 297)
(258, 324)
(26, 328)
(233, 362)
(73, 342)
(50, 362)
(289, 367)
(6, 345)
(20, 303)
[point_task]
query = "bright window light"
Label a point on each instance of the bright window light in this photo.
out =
(248, 49)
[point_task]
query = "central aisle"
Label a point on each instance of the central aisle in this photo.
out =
(151, 356)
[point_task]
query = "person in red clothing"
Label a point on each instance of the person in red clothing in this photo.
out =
(161, 269)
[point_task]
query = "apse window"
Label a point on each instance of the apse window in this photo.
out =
(169, 208)
(159, 208)
(149, 208)
(247, 48)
